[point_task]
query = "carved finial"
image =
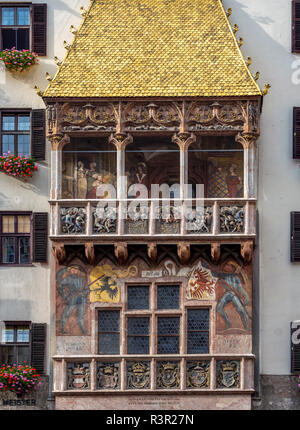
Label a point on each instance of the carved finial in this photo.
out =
(82, 11)
(248, 61)
(38, 91)
(266, 90)
(229, 12)
(256, 76)
(73, 29)
(48, 77)
(235, 28)
(57, 61)
(240, 42)
(66, 45)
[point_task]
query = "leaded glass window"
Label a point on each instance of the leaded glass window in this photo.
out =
(109, 332)
(138, 335)
(138, 297)
(198, 331)
(168, 335)
(168, 297)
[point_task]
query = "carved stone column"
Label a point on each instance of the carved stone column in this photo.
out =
(183, 140)
(58, 141)
(120, 140)
(248, 140)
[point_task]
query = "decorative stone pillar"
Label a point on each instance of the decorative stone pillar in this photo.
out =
(183, 140)
(248, 140)
(58, 141)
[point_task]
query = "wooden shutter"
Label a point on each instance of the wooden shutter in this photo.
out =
(39, 29)
(295, 236)
(40, 237)
(296, 132)
(38, 347)
(38, 134)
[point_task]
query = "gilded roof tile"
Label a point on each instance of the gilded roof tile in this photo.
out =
(149, 48)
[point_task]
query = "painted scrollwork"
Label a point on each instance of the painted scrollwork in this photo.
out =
(199, 221)
(232, 219)
(138, 375)
(228, 374)
(73, 220)
(168, 374)
(108, 375)
(78, 376)
(197, 374)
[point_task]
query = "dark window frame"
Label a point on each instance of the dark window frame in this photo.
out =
(15, 6)
(16, 113)
(295, 20)
(14, 345)
(16, 235)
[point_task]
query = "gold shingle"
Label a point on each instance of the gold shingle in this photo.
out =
(144, 48)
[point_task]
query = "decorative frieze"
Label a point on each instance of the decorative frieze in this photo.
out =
(232, 219)
(78, 376)
(108, 376)
(167, 221)
(73, 220)
(197, 374)
(105, 220)
(138, 375)
(228, 374)
(199, 221)
(168, 374)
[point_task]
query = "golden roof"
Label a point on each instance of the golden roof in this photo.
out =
(154, 48)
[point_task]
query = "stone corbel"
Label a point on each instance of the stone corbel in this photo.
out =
(120, 140)
(184, 140)
(90, 252)
(247, 251)
(215, 251)
(121, 252)
(247, 139)
(152, 251)
(184, 252)
(59, 252)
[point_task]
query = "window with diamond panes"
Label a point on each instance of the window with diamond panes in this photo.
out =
(138, 329)
(198, 331)
(109, 332)
(138, 297)
(168, 329)
(168, 296)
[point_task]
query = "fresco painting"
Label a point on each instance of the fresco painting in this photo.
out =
(228, 286)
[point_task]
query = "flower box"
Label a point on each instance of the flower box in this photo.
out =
(19, 166)
(18, 61)
(18, 379)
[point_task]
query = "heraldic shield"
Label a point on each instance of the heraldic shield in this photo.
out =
(228, 374)
(198, 374)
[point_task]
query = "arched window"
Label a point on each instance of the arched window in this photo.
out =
(86, 164)
(152, 160)
(217, 162)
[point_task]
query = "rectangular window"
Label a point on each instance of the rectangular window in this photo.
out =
(15, 133)
(296, 26)
(15, 233)
(15, 345)
(138, 335)
(198, 331)
(138, 297)
(15, 27)
(109, 332)
(168, 329)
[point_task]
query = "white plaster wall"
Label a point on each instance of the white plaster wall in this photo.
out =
(25, 291)
(265, 26)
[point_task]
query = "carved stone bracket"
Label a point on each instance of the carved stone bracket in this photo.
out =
(247, 139)
(184, 252)
(120, 140)
(59, 252)
(215, 251)
(247, 251)
(152, 251)
(90, 252)
(121, 252)
(183, 140)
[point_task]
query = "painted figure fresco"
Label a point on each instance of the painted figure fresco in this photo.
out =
(233, 182)
(73, 289)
